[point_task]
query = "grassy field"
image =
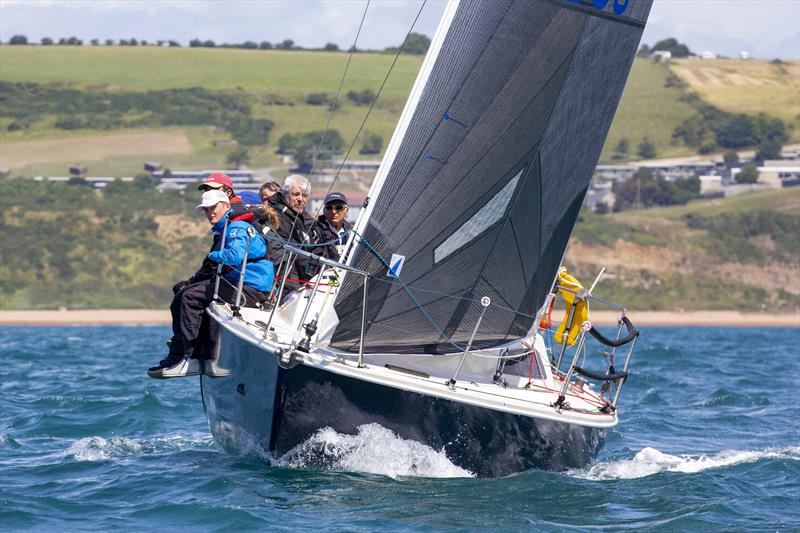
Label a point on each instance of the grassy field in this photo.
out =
(258, 71)
(748, 86)
(279, 82)
(648, 109)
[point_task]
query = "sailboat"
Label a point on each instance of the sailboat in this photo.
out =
(435, 323)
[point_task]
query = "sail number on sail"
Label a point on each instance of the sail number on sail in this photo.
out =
(619, 5)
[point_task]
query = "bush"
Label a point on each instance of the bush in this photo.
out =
(373, 144)
(646, 150)
(730, 157)
(364, 97)
(317, 99)
(748, 174)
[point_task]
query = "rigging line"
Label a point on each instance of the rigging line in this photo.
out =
(371, 107)
(411, 295)
(339, 90)
(330, 117)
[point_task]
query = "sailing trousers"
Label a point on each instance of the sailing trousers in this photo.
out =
(189, 318)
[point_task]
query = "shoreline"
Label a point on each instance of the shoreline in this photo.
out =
(161, 317)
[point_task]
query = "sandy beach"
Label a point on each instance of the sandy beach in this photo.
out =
(149, 317)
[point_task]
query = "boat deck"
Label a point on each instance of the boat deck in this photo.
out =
(430, 375)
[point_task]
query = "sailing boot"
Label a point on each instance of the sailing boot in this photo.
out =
(176, 365)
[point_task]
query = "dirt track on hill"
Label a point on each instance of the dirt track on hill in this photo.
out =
(94, 147)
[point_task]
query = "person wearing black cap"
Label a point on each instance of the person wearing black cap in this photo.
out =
(332, 225)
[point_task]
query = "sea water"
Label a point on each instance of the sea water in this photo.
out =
(709, 440)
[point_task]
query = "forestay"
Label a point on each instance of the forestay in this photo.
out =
(480, 189)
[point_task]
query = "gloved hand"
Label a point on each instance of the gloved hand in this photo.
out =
(178, 286)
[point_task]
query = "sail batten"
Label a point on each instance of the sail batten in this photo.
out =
(489, 173)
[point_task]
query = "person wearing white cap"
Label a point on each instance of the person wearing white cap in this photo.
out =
(190, 301)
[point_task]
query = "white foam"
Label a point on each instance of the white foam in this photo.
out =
(102, 449)
(374, 450)
(650, 461)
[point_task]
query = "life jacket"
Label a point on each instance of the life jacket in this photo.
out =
(241, 213)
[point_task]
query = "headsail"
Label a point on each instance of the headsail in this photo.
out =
(490, 171)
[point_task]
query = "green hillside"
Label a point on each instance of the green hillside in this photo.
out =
(69, 245)
(267, 85)
(735, 253)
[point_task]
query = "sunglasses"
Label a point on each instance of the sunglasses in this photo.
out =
(335, 207)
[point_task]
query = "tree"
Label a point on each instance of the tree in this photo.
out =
(601, 208)
(647, 150)
(249, 45)
(173, 44)
(644, 51)
(265, 45)
(735, 131)
(769, 150)
(672, 46)
(331, 47)
(47, 41)
(748, 174)
(416, 43)
(208, 43)
(286, 44)
(109, 42)
(195, 43)
(95, 42)
(309, 144)
(621, 150)
(730, 157)
(373, 143)
(287, 144)
(18, 39)
(144, 181)
(238, 157)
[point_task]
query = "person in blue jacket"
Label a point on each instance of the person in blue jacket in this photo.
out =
(189, 308)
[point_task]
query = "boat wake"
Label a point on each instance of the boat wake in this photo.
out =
(374, 450)
(104, 449)
(650, 461)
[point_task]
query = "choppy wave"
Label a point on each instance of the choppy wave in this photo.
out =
(651, 461)
(102, 449)
(374, 450)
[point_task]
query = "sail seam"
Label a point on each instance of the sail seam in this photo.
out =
(449, 104)
(526, 176)
(489, 149)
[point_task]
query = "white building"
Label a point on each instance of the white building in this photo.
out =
(710, 184)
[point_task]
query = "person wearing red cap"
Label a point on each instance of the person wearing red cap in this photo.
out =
(218, 180)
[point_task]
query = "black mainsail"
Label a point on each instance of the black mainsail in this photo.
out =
(486, 173)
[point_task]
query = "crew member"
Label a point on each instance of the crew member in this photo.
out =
(332, 225)
(190, 301)
(294, 226)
